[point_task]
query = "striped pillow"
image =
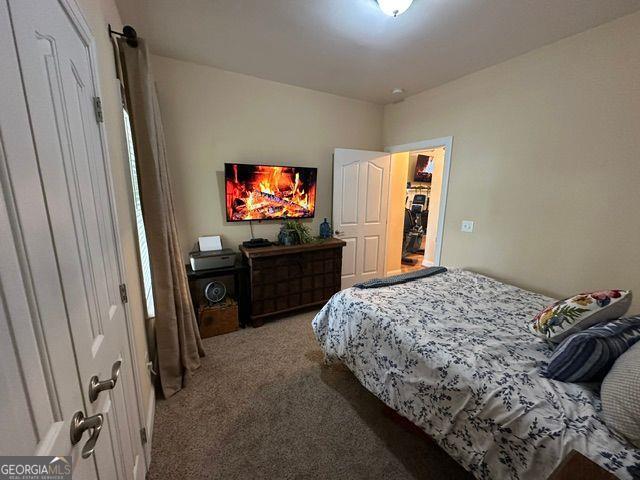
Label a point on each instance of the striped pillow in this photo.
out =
(588, 355)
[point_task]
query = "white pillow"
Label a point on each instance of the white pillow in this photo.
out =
(620, 394)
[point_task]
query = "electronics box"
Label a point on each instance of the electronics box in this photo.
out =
(224, 258)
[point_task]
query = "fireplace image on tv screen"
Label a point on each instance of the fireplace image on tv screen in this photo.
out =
(264, 192)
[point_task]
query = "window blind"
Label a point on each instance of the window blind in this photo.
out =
(145, 264)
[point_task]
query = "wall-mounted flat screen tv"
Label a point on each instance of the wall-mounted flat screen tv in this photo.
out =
(424, 169)
(267, 192)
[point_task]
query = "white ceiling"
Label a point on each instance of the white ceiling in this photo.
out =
(350, 48)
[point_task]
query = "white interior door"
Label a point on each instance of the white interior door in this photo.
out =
(61, 286)
(360, 197)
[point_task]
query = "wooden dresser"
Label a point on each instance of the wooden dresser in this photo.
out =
(284, 279)
(578, 467)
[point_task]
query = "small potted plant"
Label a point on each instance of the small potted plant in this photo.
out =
(293, 232)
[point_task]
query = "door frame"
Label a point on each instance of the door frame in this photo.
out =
(78, 19)
(447, 143)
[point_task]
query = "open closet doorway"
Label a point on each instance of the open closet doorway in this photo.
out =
(417, 203)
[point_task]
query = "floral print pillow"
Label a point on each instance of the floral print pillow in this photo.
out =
(565, 317)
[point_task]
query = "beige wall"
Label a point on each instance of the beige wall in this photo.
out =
(98, 15)
(545, 160)
(395, 218)
(212, 116)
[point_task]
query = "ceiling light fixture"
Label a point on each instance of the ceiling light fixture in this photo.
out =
(393, 8)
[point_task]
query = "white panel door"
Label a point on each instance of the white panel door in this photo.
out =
(65, 312)
(360, 195)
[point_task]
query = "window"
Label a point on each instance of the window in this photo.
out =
(145, 265)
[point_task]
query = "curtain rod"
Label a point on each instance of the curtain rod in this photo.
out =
(129, 33)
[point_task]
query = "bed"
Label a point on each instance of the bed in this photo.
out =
(452, 353)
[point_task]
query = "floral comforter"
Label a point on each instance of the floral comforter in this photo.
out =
(453, 354)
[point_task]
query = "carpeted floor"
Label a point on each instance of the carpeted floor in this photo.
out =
(263, 406)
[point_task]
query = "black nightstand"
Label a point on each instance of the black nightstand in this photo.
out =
(235, 281)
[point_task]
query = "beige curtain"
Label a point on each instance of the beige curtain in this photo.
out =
(179, 346)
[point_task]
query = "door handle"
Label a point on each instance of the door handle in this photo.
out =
(79, 424)
(96, 386)
(338, 232)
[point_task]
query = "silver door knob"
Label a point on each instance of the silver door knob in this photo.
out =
(96, 386)
(80, 424)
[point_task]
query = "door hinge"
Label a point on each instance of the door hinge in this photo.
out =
(97, 106)
(123, 293)
(143, 435)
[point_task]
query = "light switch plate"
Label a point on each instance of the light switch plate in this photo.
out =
(467, 226)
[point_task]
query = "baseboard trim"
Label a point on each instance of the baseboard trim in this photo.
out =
(151, 411)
